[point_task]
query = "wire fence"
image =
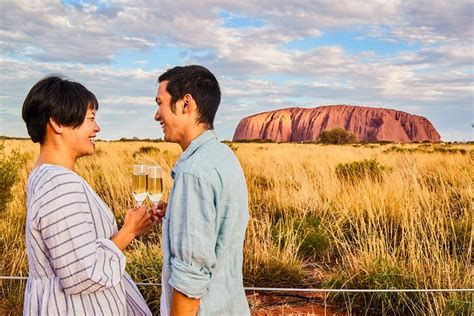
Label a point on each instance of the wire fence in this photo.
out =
(314, 290)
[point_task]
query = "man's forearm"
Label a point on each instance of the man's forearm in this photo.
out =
(183, 305)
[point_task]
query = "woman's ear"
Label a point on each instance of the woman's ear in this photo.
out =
(55, 126)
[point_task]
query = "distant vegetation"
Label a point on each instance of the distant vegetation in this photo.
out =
(337, 136)
(359, 216)
(256, 140)
(359, 170)
(136, 139)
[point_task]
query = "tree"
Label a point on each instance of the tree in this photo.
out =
(337, 136)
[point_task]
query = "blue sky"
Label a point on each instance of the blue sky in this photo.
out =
(413, 56)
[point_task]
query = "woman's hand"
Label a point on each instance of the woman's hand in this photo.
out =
(137, 221)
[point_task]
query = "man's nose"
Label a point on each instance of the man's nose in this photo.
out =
(97, 128)
(157, 115)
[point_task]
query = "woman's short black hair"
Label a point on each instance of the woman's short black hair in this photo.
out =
(56, 97)
(198, 82)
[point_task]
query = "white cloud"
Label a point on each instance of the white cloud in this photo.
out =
(256, 70)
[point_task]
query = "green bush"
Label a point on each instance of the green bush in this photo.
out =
(312, 239)
(274, 272)
(358, 170)
(402, 150)
(10, 165)
(450, 150)
(380, 274)
(460, 304)
(146, 150)
(337, 136)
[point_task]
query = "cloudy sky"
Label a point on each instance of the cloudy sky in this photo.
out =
(413, 56)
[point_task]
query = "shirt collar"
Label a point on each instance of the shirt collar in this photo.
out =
(195, 144)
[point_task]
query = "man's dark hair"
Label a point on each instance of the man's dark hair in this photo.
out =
(198, 82)
(55, 97)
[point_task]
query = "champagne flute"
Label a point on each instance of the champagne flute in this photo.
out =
(155, 184)
(139, 183)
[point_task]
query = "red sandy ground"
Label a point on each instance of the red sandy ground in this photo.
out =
(263, 304)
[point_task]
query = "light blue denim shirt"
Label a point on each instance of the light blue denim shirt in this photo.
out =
(204, 229)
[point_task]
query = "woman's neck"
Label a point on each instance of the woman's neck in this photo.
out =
(50, 154)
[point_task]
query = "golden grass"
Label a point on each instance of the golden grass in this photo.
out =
(411, 229)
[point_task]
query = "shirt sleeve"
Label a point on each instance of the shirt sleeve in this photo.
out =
(193, 235)
(82, 262)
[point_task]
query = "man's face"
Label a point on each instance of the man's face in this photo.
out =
(170, 122)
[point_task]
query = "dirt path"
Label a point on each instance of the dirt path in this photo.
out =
(290, 304)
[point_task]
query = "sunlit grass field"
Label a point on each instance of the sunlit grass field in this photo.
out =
(374, 216)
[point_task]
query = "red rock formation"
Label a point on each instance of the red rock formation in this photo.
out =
(304, 124)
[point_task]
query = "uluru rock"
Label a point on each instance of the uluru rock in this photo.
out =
(307, 124)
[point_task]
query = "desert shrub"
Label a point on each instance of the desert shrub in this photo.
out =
(427, 148)
(384, 142)
(315, 242)
(449, 150)
(458, 237)
(273, 272)
(424, 145)
(234, 147)
(358, 170)
(262, 182)
(397, 149)
(337, 136)
(310, 236)
(146, 150)
(371, 146)
(266, 263)
(460, 304)
(378, 274)
(10, 165)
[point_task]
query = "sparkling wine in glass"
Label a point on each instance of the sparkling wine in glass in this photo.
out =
(155, 184)
(139, 183)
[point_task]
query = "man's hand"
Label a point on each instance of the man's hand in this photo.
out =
(181, 305)
(158, 211)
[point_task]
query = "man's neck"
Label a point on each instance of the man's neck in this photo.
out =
(192, 134)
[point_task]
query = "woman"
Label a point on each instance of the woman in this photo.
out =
(75, 258)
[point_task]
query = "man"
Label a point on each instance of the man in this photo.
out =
(207, 212)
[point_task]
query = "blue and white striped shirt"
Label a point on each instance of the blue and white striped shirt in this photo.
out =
(74, 267)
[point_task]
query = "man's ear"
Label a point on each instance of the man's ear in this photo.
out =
(189, 104)
(55, 126)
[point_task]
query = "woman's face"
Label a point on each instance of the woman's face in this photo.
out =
(81, 140)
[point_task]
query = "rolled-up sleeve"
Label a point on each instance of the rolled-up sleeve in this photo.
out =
(193, 235)
(82, 262)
